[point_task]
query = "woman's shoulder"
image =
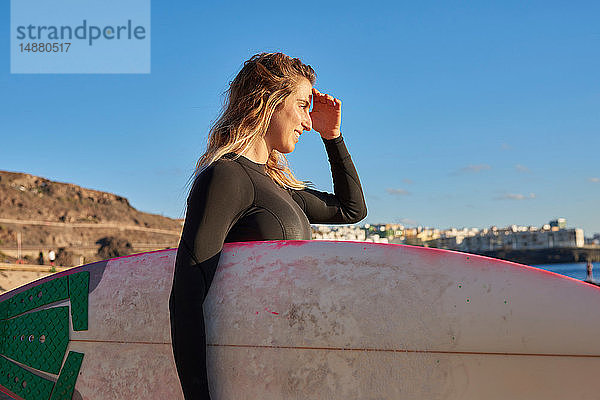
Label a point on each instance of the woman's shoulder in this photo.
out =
(223, 179)
(221, 171)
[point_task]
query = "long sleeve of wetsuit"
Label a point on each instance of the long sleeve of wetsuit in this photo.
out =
(347, 204)
(219, 195)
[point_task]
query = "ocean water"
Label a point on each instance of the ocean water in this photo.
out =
(574, 270)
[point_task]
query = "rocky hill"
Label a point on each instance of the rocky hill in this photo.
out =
(50, 215)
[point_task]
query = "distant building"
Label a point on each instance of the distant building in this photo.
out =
(525, 238)
(559, 223)
(452, 238)
(338, 232)
(555, 234)
(594, 240)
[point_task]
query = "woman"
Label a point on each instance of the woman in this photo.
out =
(244, 190)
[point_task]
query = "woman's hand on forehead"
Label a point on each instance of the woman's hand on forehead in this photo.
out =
(326, 114)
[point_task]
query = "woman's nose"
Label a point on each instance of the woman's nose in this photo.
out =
(307, 122)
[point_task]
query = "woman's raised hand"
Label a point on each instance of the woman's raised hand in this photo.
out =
(326, 115)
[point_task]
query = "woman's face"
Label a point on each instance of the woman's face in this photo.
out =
(290, 119)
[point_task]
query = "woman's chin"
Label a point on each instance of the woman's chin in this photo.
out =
(287, 149)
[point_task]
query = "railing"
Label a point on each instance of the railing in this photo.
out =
(90, 225)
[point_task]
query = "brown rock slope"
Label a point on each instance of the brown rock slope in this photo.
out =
(51, 215)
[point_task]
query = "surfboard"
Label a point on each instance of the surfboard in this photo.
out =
(309, 320)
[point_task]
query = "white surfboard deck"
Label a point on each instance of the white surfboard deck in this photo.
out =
(341, 320)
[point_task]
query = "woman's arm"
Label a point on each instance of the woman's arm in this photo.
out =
(347, 204)
(219, 195)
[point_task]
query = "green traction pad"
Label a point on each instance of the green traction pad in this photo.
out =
(33, 387)
(38, 339)
(68, 376)
(75, 287)
(79, 284)
(37, 296)
(23, 383)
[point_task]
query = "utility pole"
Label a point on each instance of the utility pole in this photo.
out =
(19, 247)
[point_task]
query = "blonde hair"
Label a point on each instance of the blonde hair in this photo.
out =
(263, 83)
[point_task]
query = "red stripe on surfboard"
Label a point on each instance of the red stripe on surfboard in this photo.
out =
(405, 351)
(254, 346)
(9, 393)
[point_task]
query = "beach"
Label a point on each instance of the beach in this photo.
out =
(12, 275)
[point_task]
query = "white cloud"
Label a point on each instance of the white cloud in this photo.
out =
(408, 181)
(515, 196)
(505, 146)
(472, 169)
(522, 168)
(594, 179)
(397, 192)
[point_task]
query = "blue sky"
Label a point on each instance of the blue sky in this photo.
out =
(455, 113)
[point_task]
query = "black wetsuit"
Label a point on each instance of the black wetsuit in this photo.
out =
(234, 200)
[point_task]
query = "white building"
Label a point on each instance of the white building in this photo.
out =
(523, 238)
(338, 232)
